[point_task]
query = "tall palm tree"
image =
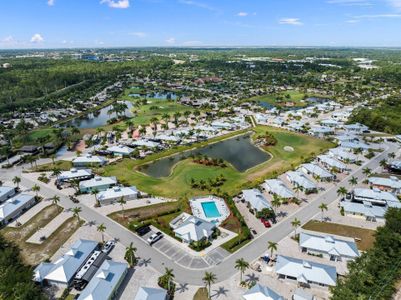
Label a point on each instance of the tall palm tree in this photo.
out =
(55, 199)
(367, 171)
(317, 178)
(95, 192)
(36, 189)
(101, 228)
(17, 181)
(208, 280)
(276, 202)
(122, 202)
(295, 223)
(323, 207)
(76, 211)
(353, 181)
(168, 276)
(383, 163)
(241, 265)
(297, 189)
(130, 256)
(342, 191)
(272, 246)
(391, 155)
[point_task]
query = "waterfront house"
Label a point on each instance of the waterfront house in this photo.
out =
(97, 184)
(62, 271)
(88, 160)
(306, 273)
(191, 229)
(120, 150)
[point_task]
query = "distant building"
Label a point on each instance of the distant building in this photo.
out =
(343, 155)
(88, 161)
(120, 150)
(356, 128)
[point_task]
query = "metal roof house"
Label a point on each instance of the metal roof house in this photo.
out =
(15, 206)
(260, 292)
(97, 183)
(331, 247)
(355, 145)
(299, 179)
(75, 174)
(357, 128)
(193, 229)
(88, 161)
(256, 199)
(391, 184)
(395, 166)
(321, 131)
(120, 150)
(147, 293)
(104, 285)
(62, 271)
(277, 187)
(366, 210)
(6, 192)
(375, 196)
(301, 294)
(330, 162)
(343, 154)
(115, 193)
(305, 272)
(316, 170)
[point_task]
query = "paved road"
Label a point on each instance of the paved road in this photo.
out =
(225, 269)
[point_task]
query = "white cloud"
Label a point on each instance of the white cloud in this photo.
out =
(8, 40)
(192, 43)
(37, 38)
(350, 2)
(378, 16)
(138, 34)
(116, 3)
(242, 14)
(395, 4)
(171, 41)
(290, 21)
(50, 2)
(353, 21)
(198, 4)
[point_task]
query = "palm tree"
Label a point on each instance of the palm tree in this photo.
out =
(241, 265)
(272, 246)
(17, 181)
(95, 192)
(101, 228)
(295, 223)
(342, 191)
(55, 199)
(317, 178)
(276, 202)
(122, 202)
(383, 163)
(168, 276)
(297, 189)
(53, 157)
(208, 279)
(367, 171)
(353, 180)
(130, 255)
(36, 189)
(76, 210)
(391, 155)
(322, 208)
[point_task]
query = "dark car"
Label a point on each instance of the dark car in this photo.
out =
(143, 230)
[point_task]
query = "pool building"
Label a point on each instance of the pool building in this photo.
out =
(209, 208)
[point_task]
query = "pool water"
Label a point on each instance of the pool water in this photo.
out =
(210, 209)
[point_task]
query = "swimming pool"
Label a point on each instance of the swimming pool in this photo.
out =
(210, 209)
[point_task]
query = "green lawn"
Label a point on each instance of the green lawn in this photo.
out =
(365, 237)
(279, 99)
(178, 183)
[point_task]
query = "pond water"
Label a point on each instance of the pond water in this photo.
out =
(156, 95)
(238, 151)
(98, 118)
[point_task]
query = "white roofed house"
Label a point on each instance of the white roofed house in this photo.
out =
(317, 172)
(88, 160)
(356, 128)
(332, 164)
(321, 131)
(330, 247)
(97, 183)
(15, 206)
(299, 179)
(120, 150)
(391, 184)
(62, 271)
(113, 194)
(374, 196)
(105, 283)
(6, 192)
(147, 293)
(355, 145)
(330, 123)
(261, 292)
(277, 187)
(343, 155)
(192, 229)
(222, 125)
(74, 174)
(364, 210)
(305, 273)
(256, 199)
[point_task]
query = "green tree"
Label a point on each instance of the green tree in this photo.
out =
(295, 224)
(101, 228)
(122, 202)
(272, 246)
(208, 280)
(241, 265)
(55, 199)
(17, 181)
(36, 189)
(353, 181)
(323, 207)
(342, 191)
(130, 255)
(76, 213)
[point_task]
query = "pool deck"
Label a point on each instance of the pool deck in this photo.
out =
(198, 210)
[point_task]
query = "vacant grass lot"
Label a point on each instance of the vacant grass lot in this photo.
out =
(178, 183)
(33, 254)
(364, 237)
(280, 99)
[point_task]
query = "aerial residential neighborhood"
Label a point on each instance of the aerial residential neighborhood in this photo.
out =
(159, 150)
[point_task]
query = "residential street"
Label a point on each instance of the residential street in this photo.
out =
(223, 270)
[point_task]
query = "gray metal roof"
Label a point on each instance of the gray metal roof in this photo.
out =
(300, 179)
(13, 204)
(257, 200)
(276, 186)
(147, 293)
(260, 292)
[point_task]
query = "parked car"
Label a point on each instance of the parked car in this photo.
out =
(266, 223)
(108, 246)
(143, 230)
(155, 237)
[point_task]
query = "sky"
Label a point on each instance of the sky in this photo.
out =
(198, 23)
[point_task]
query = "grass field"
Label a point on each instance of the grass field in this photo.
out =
(364, 237)
(32, 254)
(178, 185)
(280, 99)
